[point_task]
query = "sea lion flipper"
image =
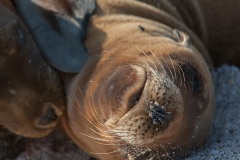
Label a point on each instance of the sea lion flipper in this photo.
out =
(59, 34)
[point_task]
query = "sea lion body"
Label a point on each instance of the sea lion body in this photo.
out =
(31, 96)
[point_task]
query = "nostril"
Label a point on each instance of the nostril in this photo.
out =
(49, 116)
(159, 115)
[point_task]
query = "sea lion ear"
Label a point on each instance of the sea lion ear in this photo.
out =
(49, 116)
(182, 38)
(59, 35)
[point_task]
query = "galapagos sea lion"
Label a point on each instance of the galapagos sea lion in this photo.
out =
(146, 92)
(31, 95)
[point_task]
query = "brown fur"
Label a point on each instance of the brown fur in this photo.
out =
(31, 96)
(105, 115)
(140, 59)
(125, 39)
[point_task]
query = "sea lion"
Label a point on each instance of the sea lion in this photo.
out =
(31, 96)
(146, 91)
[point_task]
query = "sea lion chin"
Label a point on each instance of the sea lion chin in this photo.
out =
(148, 101)
(31, 96)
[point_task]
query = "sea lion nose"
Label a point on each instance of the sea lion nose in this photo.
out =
(159, 115)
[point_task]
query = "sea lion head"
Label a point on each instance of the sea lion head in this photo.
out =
(149, 99)
(31, 99)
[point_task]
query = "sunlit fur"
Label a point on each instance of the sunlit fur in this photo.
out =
(144, 53)
(99, 118)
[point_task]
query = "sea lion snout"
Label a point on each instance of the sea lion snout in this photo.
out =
(154, 110)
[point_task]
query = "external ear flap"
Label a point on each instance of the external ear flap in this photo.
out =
(49, 117)
(182, 38)
(59, 35)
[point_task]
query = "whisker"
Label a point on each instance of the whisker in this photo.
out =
(148, 58)
(99, 139)
(110, 136)
(184, 79)
(168, 68)
(86, 117)
(99, 102)
(145, 62)
(105, 152)
(180, 77)
(95, 112)
(104, 131)
(159, 62)
(172, 65)
(161, 65)
(96, 138)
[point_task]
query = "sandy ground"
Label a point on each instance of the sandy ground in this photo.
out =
(224, 142)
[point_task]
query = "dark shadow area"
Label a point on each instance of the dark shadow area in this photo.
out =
(59, 35)
(10, 145)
